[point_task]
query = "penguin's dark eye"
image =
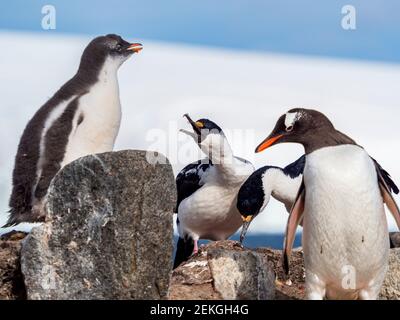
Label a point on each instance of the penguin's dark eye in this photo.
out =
(288, 129)
(118, 47)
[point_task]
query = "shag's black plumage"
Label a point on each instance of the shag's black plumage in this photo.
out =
(210, 125)
(188, 179)
(184, 249)
(251, 194)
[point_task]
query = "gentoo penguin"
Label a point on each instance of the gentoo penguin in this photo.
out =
(283, 185)
(207, 190)
(341, 205)
(81, 118)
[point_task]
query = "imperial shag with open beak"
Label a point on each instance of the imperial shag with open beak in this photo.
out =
(207, 190)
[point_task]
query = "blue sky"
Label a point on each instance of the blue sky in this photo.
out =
(285, 26)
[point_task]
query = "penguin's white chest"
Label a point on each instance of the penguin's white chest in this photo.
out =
(97, 120)
(344, 226)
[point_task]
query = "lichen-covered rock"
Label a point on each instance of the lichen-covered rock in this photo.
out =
(109, 231)
(241, 275)
(290, 287)
(11, 282)
(192, 280)
(391, 286)
(224, 270)
(215, 274)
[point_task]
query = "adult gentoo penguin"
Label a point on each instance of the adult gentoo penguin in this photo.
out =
(283, 185)
(82, 117)
(340, 202)
(207, 190)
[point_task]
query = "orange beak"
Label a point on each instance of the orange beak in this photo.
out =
(135, 47)
(267, 143)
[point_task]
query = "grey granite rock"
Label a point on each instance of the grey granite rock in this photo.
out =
(224, 270)
(109, 233)
(12, 285)
(391, 286)
(241, 275)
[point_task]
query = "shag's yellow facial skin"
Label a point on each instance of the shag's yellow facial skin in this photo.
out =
(247, 219)
(199, 124)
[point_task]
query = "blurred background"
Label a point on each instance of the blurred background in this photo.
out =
(241, 64)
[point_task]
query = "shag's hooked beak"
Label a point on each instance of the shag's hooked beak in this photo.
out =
(268, 142)
(246, 223)
(135, 47)
(195, 125)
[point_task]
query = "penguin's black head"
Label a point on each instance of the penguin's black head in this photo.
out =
(119, 47)
(111, 45)
(299, 125)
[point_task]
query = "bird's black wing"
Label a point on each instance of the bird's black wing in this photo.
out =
(296, 168)
(387, 197)
(386, 177)
(188, 181)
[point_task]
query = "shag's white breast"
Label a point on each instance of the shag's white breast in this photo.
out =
(282, 187)
(344, 221)
(211, 213)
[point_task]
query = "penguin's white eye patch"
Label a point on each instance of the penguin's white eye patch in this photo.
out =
(290, 119)
(118, 47)
(290, 128)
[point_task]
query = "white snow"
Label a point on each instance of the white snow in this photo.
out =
(237, 90)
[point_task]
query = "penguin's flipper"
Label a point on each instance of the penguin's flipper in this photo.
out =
(184, 250)
(385, 176)
(388, 198)
(295, 217)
